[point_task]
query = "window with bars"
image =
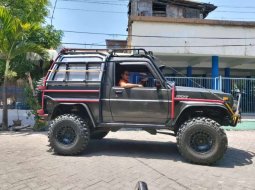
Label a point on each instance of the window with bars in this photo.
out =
(77, 72)
(159, 9)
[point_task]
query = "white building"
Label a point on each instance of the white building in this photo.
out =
(178, 33)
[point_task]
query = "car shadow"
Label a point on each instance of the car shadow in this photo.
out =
(23, 133)
(159, 150)
(133, 148)
(235, 157)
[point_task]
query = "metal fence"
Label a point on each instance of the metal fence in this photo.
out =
(198, 82)
(245, 86)
(16, 97)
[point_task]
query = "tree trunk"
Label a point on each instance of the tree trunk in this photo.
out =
(5, 108)
(30, 81)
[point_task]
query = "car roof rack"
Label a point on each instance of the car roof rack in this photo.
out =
(134, 51)
(108, 52)
(73, 51)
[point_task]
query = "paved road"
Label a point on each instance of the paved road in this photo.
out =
(117, 162)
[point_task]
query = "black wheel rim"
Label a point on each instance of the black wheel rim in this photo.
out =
(201, 141)
(66, 135)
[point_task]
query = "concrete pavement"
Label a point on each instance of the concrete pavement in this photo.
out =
(119, 161)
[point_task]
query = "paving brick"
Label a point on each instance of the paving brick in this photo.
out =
(121, 160)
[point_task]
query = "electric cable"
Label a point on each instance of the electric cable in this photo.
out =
(55, 5)
(156, 36)
(158, 46)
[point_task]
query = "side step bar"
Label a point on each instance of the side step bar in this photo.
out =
(131, 125)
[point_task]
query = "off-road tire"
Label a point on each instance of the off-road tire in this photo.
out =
(79, 129)
(213, 133)
(98, 135)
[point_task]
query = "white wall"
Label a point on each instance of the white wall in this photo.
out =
(194, 30)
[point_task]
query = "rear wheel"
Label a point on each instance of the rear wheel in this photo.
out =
(202, 141)
(68, 134)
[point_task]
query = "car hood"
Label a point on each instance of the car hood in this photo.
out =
(201, 93)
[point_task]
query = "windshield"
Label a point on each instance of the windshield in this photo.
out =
(159, 69)
(166, 73)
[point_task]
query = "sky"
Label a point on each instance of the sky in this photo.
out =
(110, 16)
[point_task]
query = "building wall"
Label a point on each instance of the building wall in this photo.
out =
(150, 27)
(116, 44)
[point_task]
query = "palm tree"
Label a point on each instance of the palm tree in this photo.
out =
(13, 42)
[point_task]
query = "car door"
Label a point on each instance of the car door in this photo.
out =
(148, 105)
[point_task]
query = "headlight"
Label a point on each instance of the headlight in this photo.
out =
(229, 100)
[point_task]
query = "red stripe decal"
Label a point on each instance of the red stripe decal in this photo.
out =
(75, 91)
(77, 101)
(172, 104)
(199, 100)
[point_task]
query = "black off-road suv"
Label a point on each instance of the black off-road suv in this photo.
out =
(81, 100)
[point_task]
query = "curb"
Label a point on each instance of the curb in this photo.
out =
(245, 125)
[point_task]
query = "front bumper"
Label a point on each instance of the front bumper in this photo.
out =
(236, 116)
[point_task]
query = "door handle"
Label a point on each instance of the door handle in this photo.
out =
(118, 92)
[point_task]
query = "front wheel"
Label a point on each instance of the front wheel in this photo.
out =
(202, 141)
(68, 134)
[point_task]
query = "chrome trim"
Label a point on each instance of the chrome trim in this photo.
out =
(78, 99)
(139, 89)
(195, 102)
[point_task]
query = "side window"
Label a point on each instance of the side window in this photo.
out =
(137, 74)
(78, 72)
(94, 72)
(60, 73)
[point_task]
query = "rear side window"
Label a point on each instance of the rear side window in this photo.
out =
(60, 74)
(94, 72)
(77, 72)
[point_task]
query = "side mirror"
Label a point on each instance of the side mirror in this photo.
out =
(157, 83)
(161, 67)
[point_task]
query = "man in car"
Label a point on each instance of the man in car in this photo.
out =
(124, 83)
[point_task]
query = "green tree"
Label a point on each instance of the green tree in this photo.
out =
(33, 12)
(14, 41)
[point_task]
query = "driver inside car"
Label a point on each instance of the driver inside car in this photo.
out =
(124, 81)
